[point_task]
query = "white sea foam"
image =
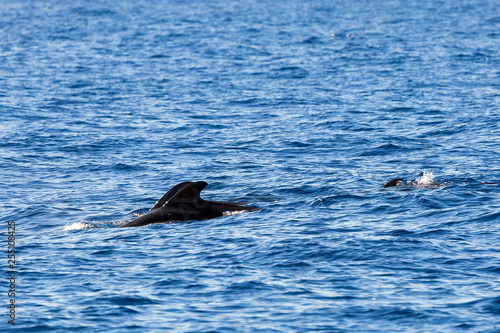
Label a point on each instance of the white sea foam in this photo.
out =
(425, 180)
(79, 226)
(230, 213)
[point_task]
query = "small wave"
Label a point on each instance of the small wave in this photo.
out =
(288, 72)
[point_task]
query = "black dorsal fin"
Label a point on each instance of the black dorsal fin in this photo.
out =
(189, 193)
(169, 195)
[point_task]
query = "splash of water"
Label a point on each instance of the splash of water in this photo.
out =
(230, 213)
(425, 180)
(78, 226)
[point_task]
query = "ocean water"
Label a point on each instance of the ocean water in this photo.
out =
(302, 108)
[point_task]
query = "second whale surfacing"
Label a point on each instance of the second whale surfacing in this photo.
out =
(183, 203)
(427, 181)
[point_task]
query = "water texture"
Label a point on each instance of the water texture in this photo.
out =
(302, 108)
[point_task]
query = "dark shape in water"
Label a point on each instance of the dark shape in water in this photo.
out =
(399, 181)
(394, 182)
(182, 203)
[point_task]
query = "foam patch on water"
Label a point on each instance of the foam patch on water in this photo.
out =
(425, 180)
(79, 226)
(231, 213)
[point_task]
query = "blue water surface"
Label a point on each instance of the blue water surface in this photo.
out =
(302, 108)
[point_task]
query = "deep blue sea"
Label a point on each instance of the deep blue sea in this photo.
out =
(302, 108)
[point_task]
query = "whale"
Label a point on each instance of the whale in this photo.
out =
(424, 181)
(394, 182)
(184, 203)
